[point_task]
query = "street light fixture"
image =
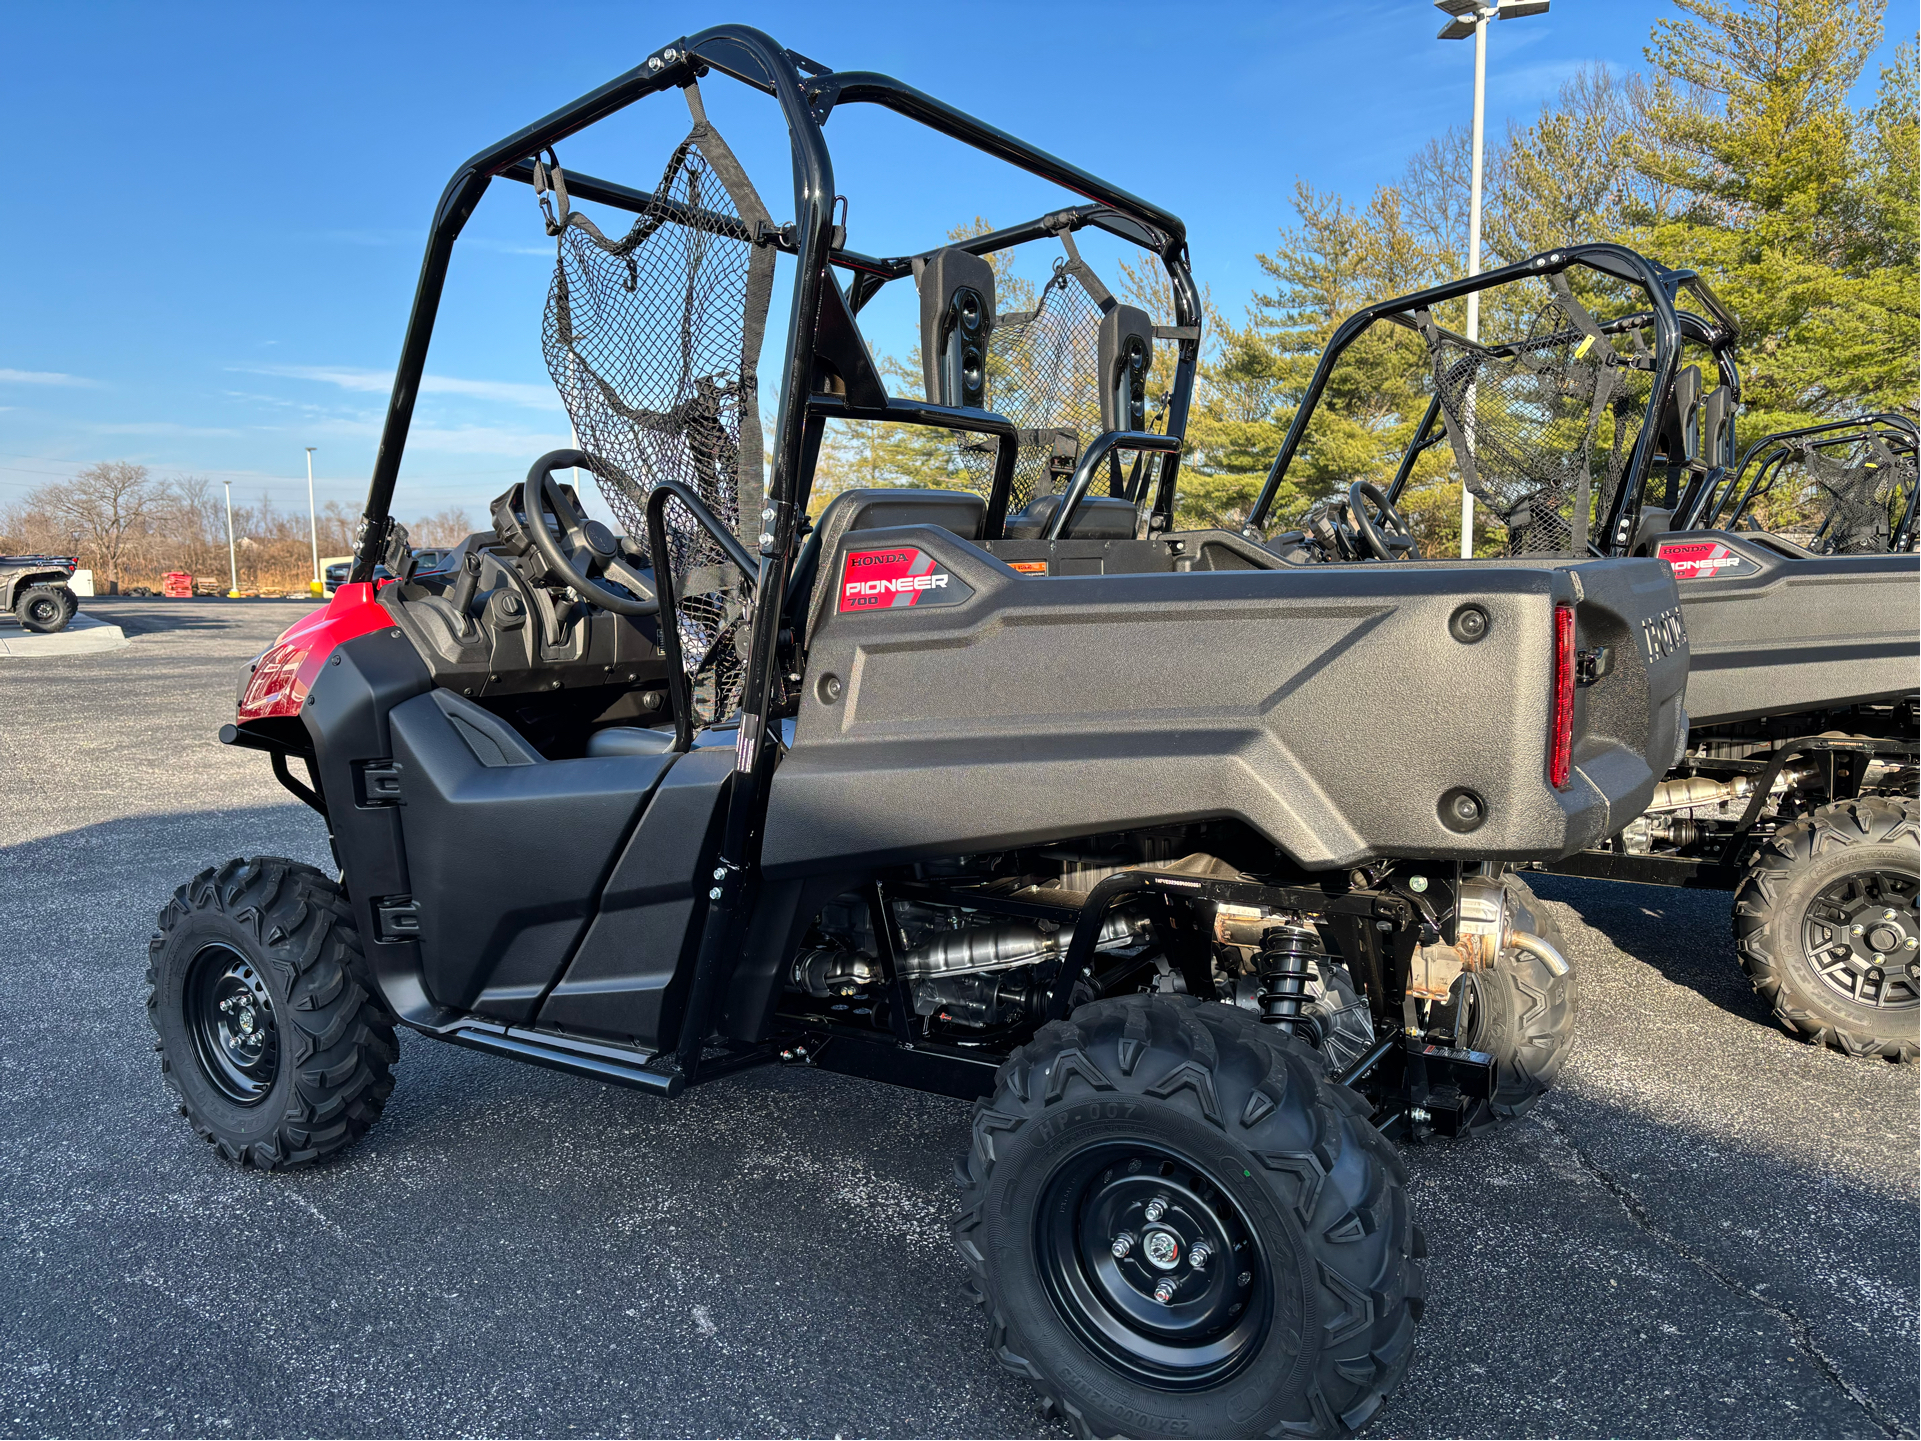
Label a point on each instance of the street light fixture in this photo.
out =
(313, 527)
(1465, 18)
(233, 565)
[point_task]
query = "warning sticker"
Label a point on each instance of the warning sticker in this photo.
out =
(1028, 567)
(1702, 559)
(899, 576)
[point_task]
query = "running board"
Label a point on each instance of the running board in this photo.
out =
(619, 1066)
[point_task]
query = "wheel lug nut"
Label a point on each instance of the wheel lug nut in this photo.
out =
(1197, 1258)
(1164, 1292)
(1887, 915)
(1156, 1208)
(1858, 930)
(1123, 1243)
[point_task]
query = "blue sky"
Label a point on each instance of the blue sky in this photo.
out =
(215, 214)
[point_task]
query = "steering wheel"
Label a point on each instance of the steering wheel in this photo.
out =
(585, 548)
(1386, 532)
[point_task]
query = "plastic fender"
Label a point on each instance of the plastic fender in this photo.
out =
(285, 671)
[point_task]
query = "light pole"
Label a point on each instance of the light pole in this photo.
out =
(313, 527)
(233, 565)
(1465, 18)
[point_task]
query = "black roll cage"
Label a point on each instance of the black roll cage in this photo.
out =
(1671, 326)
(1734, 497)
(807, 93)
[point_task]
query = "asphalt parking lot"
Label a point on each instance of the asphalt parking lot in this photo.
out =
(1708, 1229)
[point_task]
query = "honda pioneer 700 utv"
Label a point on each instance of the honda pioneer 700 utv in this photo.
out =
(1185, 860)
(1588, 428)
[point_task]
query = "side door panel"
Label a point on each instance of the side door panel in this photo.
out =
(505, 856)
(627, 981)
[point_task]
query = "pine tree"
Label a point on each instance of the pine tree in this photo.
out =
(1797, 208)
(1332, 262)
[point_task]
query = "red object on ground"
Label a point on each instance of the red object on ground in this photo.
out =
(285, 671)
(177, 585)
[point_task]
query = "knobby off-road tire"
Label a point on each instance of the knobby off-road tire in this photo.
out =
(1850, 863)
(278, 1051)
(40, 608)
(1522, 1014)
(1234, 1127)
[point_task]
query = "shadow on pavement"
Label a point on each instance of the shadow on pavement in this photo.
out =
(137, 616)
(1686, 935)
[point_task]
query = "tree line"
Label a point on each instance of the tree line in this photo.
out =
(130, 527)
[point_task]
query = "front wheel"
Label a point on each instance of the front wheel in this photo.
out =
(1177, 1225)
(277, 1052)
(1826, 925)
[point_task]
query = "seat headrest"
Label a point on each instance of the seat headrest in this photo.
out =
(961, 511)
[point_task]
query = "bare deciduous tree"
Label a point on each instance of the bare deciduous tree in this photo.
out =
(110, 507)
(448, 527)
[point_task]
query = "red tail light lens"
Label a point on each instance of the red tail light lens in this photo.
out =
(1560, 756)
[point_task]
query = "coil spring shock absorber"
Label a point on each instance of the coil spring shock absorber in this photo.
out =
(1287, 957)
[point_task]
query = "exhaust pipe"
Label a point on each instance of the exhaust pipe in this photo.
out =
(1535, 946)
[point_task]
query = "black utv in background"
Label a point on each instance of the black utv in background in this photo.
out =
(1187, 864)
(35, 588)
(1800, 588)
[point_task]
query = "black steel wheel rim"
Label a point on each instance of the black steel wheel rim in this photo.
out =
(1119, 1232)
(43, 610)
(1863, 938)
(230, 1016)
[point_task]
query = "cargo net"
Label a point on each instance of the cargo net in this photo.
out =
(1543, 426)
(1837, 497)
(652, 340)
(1043, 368)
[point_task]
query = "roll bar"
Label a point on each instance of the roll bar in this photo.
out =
(806, 100)
(1735, 498)
(1661, 285)
(1102, 446)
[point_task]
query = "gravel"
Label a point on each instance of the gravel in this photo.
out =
(1707, 1229)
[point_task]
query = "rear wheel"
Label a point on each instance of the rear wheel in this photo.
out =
(40, 608)
(1518, 1011)
(277, 1051)
(1826, 925)
(1177, 1226)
